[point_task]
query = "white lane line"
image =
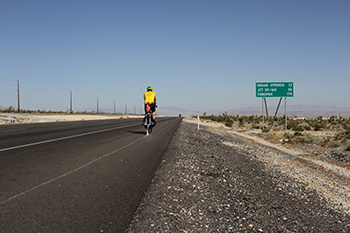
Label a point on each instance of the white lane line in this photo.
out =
(64, 138)
(70, 172)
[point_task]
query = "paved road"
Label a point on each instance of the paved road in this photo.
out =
(77, 176)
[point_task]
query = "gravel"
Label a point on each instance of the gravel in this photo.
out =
(339, 155)
(215, 182)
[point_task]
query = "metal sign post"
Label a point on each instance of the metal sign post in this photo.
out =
(274, 89)
(198, 119)
(262, 110)
(285, 112)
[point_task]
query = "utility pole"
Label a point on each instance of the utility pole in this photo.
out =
(71, 102)
(114, 108)
(19, 107)
(97, 105)
(126, 109)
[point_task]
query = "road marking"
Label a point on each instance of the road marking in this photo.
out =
(64, 138)
(70, 172)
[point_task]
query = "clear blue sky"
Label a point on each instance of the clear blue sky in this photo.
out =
(197, 54)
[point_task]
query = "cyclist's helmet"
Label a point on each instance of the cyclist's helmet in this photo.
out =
(149, 88)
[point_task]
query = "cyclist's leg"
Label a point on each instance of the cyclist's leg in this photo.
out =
(144, 122)
(153, 109)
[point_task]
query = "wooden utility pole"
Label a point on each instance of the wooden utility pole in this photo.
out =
(19, 107)
(97, 105)
(71, 102)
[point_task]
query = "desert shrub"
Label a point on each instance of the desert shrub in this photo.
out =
(318, 126)
(343, 136)
(288, 135)
(229, 122)
(325, 141)
(292, 124)
(241, 121)
(220, 118)
(257, 120)
(308, 139)
(212, 118)
(347, 146)
(256, 127)
(298, 128)
(346, 125)
(297, 134)
(224, 118)
(250, 119)
(306, 127)
(266, 130)
(332, 143)
(296, 140)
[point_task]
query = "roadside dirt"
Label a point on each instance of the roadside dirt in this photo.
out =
(213, 180)
(25, 118)
(326, 170)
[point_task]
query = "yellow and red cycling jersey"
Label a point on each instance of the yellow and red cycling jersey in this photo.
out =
(150, 97)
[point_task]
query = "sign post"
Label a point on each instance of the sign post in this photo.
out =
(274, 89)
(198, 118)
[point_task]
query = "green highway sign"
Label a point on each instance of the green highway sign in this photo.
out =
(274, 89)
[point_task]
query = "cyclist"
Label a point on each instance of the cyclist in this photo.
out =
(150, 98)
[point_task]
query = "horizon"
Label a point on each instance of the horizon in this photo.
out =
(292, 111)
(198, 55)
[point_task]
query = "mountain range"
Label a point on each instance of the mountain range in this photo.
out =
(292, 111)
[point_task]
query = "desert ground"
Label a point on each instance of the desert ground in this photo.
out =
(23, 118)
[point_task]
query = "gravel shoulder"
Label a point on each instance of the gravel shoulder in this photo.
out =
(213, 180)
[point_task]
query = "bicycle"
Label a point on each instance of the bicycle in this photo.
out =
(148, 121)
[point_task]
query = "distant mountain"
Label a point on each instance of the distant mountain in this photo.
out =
(292, 111)
(165, 111)
(173, 111)
(296, 110)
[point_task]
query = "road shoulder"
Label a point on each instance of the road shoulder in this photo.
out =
(209, 181)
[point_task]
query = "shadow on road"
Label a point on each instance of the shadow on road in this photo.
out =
(137, 132)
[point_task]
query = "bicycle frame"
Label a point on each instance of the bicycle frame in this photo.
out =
(148, 117)
(148, 123)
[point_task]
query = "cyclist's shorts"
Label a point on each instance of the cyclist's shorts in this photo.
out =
(153, 108)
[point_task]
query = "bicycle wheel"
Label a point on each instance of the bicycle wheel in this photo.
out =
(149, 124)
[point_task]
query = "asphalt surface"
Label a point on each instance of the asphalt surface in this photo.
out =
(77, 176)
